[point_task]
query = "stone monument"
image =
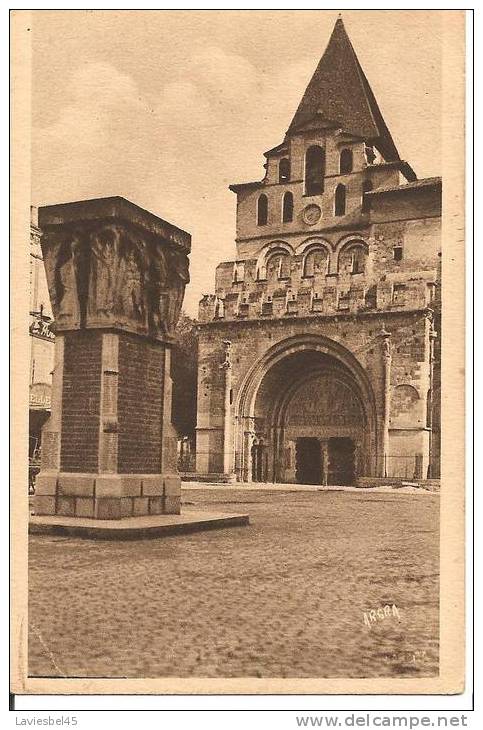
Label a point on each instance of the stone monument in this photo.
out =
(116, 276)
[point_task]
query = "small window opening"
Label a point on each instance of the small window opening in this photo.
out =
(345, 162)
(398, 253)
(340, 200)
(399, 294)
(344, 301)
(287, 208)
(370, 154)
(366, 201)
(314, 170)
(370, 299)
(262, 210)
(284, 170)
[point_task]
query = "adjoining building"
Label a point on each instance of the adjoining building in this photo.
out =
(41, 341)
(319, 350)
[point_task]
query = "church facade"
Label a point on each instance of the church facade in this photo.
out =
(319, 349)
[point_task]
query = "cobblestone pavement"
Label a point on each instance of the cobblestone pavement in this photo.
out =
(283, 597)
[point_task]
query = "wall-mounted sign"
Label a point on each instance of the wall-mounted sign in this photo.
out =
(40, 396)
(41, 328)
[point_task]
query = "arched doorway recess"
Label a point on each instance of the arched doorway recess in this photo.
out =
(310, 402)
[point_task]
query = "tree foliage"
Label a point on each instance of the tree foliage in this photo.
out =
(184, 373)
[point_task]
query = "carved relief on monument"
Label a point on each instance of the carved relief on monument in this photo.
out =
(115, 276)
(60, 255)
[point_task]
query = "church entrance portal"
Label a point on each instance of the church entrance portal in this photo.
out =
(341, 461)
(308, 461)
(312, 410)
(259, 458)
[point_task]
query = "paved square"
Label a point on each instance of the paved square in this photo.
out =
(283, 597)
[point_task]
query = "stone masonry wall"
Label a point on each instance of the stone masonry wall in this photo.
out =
(359, 334)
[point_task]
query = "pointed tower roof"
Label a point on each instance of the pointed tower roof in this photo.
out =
(340, 92)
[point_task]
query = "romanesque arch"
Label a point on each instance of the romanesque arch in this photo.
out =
(352, 255)
(270, 409)
(274, 248)
(316, 255)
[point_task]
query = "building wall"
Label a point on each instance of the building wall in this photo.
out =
(251, 237)
(360, 335)
(41, 340)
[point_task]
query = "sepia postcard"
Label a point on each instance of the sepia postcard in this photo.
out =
(238, 323)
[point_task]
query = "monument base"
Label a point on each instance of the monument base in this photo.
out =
(106, 496)
(135, 528)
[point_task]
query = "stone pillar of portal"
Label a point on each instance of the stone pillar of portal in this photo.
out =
(386, 362)
(116, 276)
(430, 395)
(227, 424)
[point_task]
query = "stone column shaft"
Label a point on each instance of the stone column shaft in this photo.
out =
(227, 430)
(227, 425)
(386, 354)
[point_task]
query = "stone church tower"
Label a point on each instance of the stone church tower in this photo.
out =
(318, 351)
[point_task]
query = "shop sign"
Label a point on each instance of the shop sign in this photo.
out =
(42, 329)
(40, 396)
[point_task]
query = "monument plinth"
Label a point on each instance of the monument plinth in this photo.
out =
(116, 276)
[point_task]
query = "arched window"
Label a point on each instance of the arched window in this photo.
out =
(278, 265)
(366, 202)
(314, 170)
(339, 205)
(262, 210)
(352, 258)
(287, 208)
(284, 170)
(316, 262)
(345, 163)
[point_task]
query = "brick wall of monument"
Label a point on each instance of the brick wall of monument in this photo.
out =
(140, 366)
(81, 393)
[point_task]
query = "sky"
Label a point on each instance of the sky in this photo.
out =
(167, 108)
